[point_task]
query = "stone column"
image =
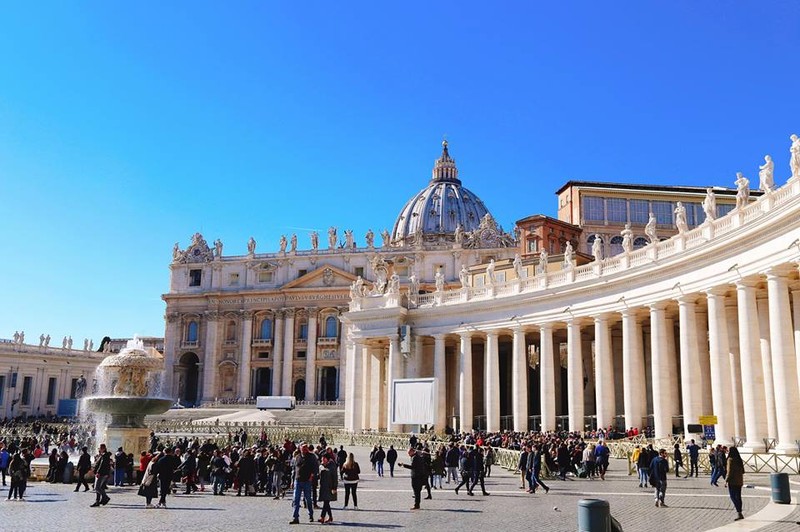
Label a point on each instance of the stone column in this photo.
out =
(210, 357)
(440, 374)
(633, 374)
(732, 317)
(393, 368)
(519, 381)
(354, 397)
(690, 362)
(492, 386)
(796, 320)
(604, 372)
(172, 342)
(311, 356)
(465, 382)
(753, 397)
(784, 364)
(766, 364)
(662, 420)
(366, 386)
(244, 362)
(288, 353)
(547, 371)
(575, 376)
(707, 405)
(672, 373)
(721, 386)
(277, 354)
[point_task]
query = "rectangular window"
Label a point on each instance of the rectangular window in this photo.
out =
(593, 210)
(234, 279)
(663, 212)
(303, 332)
(359, 272)
(264, 277)
(194, 277)
(13, 380)
(73, 388)
(263, 354)
(51, 391)
(27, 384)
(694, 214)
(301, 273)
(617, 210)
(2, 388)
(500, 277)
(723, 209)
(301, 354)
(640, 210)
(533, 246)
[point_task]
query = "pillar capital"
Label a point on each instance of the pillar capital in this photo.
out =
(465, 334)
(747, 282)
(657, 306)
(781, 271)
(492, 333)
(687, 299)
(717, 291)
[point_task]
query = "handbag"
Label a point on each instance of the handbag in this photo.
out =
(142, 491)
(334, 495)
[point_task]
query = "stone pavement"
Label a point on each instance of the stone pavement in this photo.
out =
(385, 503)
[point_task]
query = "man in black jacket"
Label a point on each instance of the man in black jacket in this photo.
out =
(418, 475)
(102, 472)
(166, 466)
(391, 457)
(84, 465)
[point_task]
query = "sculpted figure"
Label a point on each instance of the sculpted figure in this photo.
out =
(80, 387)
(251, 246)
(766, 181)
(490, 273)
(597, 248)
(650, 230)
(568, 253)
(349, 242)
(394, 284)
(69, 342)
(282, 243)
(385, 238)
(517, 266)
(85, 344)
(710, 205)
(64, 343)
(331, 237)
(742, 190)
(370, 239)
(458, 236)
(91, 345)
(176, 251)
(21, 337)
(41, 340)
(357, 288)
(794, 160)
(627, 239)
(413, 284)
(16, 337)
(542, 262)
(463, 276)
(314, 240)
(680, 218)
(439, 280)
(47, 341)
(293, 243)
(218, 248)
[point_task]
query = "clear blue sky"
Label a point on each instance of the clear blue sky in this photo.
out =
(125, 126)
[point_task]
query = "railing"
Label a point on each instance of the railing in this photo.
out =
(262, 342)
(327, 340)
(186, 344)
(229, 343)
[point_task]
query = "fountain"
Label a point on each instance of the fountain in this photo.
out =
(128, 385)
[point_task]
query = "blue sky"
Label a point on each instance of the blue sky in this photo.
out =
(127, 126)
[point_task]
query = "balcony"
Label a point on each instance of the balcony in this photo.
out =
(230, 343)
(300, 342)
(327, 340)
(262, 342)
(186, 344)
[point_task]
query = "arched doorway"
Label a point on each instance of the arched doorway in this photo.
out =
(328, 391)
(263, 385)
(300, 390)
(187, 378)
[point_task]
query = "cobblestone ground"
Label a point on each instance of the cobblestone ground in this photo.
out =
(693, 505)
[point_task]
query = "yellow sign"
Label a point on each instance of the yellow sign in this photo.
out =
(708, 420)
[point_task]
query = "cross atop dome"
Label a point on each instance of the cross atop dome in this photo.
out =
(444, 169)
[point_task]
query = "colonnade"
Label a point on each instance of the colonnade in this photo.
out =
(731, 351)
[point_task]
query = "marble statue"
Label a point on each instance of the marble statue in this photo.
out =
(438, 279)
(370, 239)
(314, 240)
(627, 238)
(357, 288)
(458, 236)
(85, 344)
(568, 253)
(41, 340)
(463, 276)
(794, 160)
(380, 282)
(91, 345)
(64, 343)
(218, 248)
(80, 387)
(107, 347)
(385, 238)
(413, 284)
(517, 264)
(331, 237)
(349, 242)
(651, 229)
(394, 284)
(251, 246)
(293, 243)
(680, 218)
(542, 262)
(69, 342)
(21, 337)
(176, 251)
(742, 190)
(517, 232)
(597, 248)
(710, 205)
(490, 273)
(16, 337)
(766, 171)
(282, 243)
(47, 341)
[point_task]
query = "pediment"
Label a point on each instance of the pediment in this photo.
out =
(326, 276)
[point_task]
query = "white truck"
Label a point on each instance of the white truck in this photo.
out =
(275, 402)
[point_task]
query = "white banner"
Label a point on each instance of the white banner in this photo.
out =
(414, 401)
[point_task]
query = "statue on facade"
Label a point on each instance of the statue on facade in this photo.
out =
(293, 243)
(794, 160)
(742, 190)
(710, 205)
(106, 345)
(568, 253)
(517, 264)
(766, 171)
(21, 337)
(438, 280)
(370, 239)
(16, 337)
(385, 238)
(314, 240)
(251, 246)
(218, 248)
(597, 248)
(627, 238)
(85, 344)
(349, 241)
(64, 343)
(463, 276)
(680, 218)
(176, 252)
(490, 273)
(651, 229)
(394, 284)
(331, 237)
(41, 340)
(69, 342)
(517, 233)
(357, 288)
(47, 341)
(413, 284)
(543, 258)
(91, 345)
(282, 243)
(80, 387)
(458, 235)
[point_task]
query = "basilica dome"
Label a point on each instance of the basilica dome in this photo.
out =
(440, 212)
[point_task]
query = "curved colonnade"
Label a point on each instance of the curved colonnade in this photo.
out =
(706, 322)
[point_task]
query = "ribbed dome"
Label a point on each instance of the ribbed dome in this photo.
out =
(437, 210)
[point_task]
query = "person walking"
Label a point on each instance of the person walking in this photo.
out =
(102, 472)
(84, 466)
(380, 456)
(536, 470)
(602, 454)
(478, 470)
(694, 456)
(327, 490)
(168, 463)
(350, 473)
(735, 480)
(19, 471)
(659, 468)
(451, 462)
(306, 467)
(5, 459)
(391, 459)
(677, 457)
(120, 459)
(418, 475)
(643, 464)
(465, 466)
(149, 486)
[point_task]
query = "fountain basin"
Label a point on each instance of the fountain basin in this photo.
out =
(127, 411)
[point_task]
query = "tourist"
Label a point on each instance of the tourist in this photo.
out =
(451, 462)
(677, 458)
(720, 464)
(602, 455)
(645, 457)
(219, 474)
(278, 472)
(327, 490)
(418, 475)
(102, 472)
(149, 486)
(478, 470)
(437, 469)
(189, 471)
(380, 456)
(120, 459)
(735, 480)
(341, 458)
(246, 473)
(694, 456)
(465, 464)
(166, 466)
(53, 464)
(19, 470)
(391, 459)
(489, 460)
(5, 459)
(306, 467)
(350, 473)
(659, 467)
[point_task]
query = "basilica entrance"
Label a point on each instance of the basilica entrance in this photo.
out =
(328, 382)
(187, 378)
(263, 384)
(300, 390)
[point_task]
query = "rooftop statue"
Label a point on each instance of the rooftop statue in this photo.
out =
(742, 190)
(293, 243)
(651, 230)
(370, 239)
(282, 243)
(331, 237)
(710, 205)
(568, 254)
(314, 240)
(251, 246)
(627, 238)
(794, 160)
(597, 248)
(680, 218)
(490, 273)
(463, 276)
(766, 171)
(386, 239)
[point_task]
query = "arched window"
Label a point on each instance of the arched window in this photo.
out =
(331, 327)
(266, 329)
(302, 330)
(639, 242)
(230, 330)
(191, 332)
(616, 245)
